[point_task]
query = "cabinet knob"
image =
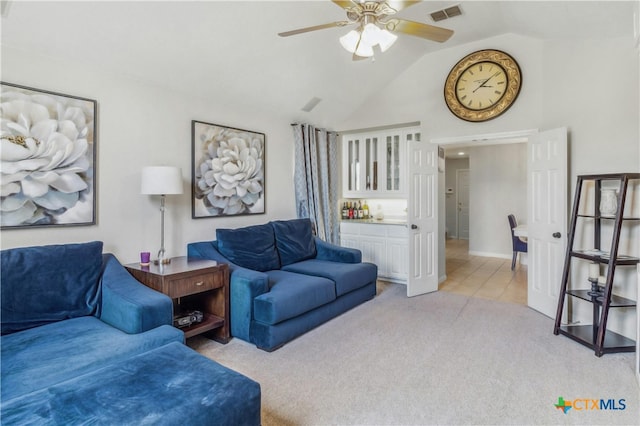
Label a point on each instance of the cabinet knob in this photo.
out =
(199, 283)
(556, 235)
(413, 226)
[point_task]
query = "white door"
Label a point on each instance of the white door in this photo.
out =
(422, 218)
(547, 217)
(462, 191)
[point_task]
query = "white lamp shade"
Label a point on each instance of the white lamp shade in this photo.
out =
(386, 39)
(350, 41)
(161, 180)
(364, 49)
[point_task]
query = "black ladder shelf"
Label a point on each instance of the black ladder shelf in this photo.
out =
(596, 336)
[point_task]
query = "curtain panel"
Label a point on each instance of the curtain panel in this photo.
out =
(316, 179)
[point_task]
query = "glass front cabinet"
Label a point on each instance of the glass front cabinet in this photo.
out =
(375, 164)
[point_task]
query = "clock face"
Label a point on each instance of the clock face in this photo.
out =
(482, 85)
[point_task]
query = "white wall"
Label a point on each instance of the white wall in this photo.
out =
(140, 124)
(498, 176)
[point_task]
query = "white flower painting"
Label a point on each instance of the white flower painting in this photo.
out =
(228, 171)
(47, 158)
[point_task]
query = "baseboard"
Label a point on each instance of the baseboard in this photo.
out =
(488, 254)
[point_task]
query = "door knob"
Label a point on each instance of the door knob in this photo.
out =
(414, 226)
(556, 235)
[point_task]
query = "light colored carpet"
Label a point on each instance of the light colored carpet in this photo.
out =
(440, 358)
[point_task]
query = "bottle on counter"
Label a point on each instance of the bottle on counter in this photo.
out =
(365, 210)
(350, 210)
(345, 211)
(360, 211)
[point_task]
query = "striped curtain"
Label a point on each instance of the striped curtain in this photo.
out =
(316, 179)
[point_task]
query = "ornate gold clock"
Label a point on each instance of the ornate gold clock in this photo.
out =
(482, 85)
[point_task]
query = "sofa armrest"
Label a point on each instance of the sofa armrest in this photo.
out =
(129, 305)
(245, 285)
(335, 253)
(208, 250)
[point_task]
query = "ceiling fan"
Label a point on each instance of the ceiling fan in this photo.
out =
(376, 26)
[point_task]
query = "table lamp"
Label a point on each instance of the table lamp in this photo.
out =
(161, 180)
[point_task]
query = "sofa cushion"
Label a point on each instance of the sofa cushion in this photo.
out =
(346, 276)
(43, 356)
(291, 295)
(45, 284)
(169, 385)
(252, 247)
(294, 240)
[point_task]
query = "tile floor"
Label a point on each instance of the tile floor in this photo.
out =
(485, 277)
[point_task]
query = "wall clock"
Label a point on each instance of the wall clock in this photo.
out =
(482, 85)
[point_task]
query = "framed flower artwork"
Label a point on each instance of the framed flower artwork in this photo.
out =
(228, 171)
(48, 157)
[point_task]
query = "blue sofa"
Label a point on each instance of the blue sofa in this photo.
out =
(285, 281)
(84, 343)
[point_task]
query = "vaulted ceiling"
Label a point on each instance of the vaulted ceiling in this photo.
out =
(229, 51)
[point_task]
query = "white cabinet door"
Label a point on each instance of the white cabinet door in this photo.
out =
(351, 162)
(384, 245)
(397, 258)
(350, 241)
(393, 169)
(373, 250)
(375, 164)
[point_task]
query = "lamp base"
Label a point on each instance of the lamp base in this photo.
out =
(162, 259)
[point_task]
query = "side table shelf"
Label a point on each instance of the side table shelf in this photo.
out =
(192, 284)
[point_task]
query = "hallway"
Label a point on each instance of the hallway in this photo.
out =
(483, 277)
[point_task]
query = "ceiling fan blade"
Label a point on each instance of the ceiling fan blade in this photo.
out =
(314, 28)
(345, 4)
(398, 5)
(418, 29)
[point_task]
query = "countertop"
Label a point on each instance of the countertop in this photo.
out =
(386, 221)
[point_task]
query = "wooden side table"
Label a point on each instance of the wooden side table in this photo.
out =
(193, 284)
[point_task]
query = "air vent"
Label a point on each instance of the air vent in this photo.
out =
(443, 14)
(439, 16)
(311, 104)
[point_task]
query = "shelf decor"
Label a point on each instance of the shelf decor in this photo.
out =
(228, 171)
(48, 155)
(608, 202)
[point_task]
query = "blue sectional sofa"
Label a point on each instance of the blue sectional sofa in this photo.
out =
(84, 343)
(285, 281)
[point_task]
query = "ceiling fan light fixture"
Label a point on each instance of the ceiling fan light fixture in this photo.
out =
(386, 39)
(371, 34)
(361, 41)
(350, 41)
(364, 49)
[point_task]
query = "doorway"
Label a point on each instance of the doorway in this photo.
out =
(481, 191)
(490, 182)
(545, 205)
(462, 204)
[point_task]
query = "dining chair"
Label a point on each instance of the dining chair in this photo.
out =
(519, 246)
